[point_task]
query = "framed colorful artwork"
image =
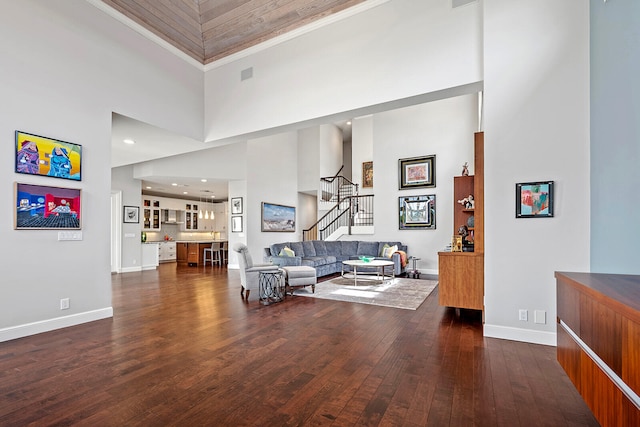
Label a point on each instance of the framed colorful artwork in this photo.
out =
(39, 155)
(534, 199)
(417, 172)
(131, 214)
(42, 207)
(417, 212)
(367, 174)
(278, 217)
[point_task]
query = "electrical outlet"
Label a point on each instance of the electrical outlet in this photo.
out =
(523, 315)
(64, 304)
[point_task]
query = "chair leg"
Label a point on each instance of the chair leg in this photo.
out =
(247, 294)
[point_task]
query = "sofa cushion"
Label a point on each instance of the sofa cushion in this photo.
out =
(333, 247)
(381, 246)
(316, 261)
(276, 248)
(321, 249)
(286, 251)
(349, 247)
(367, 248)
(298, 248)
(389, 250)
(309, 250)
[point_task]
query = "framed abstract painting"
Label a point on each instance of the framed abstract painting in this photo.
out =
(417, 212)
(534, 199)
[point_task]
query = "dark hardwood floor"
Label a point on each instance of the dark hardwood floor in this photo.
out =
(183, 349)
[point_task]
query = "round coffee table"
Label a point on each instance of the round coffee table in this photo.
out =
(366, 267)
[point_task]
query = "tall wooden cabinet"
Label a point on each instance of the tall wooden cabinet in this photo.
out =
(461, 274)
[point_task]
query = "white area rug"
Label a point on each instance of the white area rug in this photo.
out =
(397, 293)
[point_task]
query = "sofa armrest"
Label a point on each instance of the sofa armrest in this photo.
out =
(284, 261)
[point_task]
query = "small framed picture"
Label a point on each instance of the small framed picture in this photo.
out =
(236, 224)
(367, 175)
(534, 199)
(417, 172)
(131, 214)
(236, 205)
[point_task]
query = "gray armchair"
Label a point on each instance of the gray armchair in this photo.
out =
(249, 272)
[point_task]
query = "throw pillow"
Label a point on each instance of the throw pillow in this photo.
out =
(388, 252)
(384, 250)
(286, 251)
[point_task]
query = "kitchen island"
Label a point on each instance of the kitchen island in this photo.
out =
(192, 251)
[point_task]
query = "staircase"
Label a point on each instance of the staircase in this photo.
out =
(350, 214)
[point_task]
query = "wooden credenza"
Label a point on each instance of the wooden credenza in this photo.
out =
(461, 280)
(599, 342)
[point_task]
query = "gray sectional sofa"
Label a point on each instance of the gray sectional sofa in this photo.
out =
(327, 256)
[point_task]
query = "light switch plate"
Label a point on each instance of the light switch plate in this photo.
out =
(69, 235)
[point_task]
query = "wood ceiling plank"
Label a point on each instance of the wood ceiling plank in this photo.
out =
(208, 30)
(265, 22)
(156, 18)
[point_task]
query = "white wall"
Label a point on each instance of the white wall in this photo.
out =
(237, 188)
(444, 128)
(63, 77)
(537, 128)
(396, 50)
(362, 150)
(308, 166)
(272, 178)
(331, 155)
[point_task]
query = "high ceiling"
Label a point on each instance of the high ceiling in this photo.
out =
(208, 30)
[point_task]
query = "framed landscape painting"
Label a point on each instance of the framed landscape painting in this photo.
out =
(42, 207)
(417, 212)
(534, 199)
(417, 172)
(278, 217)
(39, 155)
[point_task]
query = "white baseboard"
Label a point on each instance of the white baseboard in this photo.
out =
(130, 269)
(520, 334)
(233, 266)
(27, 329)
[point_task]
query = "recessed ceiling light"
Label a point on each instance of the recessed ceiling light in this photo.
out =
(148, 188)
(185, 192)
(174, 184)
(349, 123)
(203, 180)
(213, 197)
(129, 141)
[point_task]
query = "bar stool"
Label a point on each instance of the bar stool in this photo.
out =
(225, 252)
(213, 254)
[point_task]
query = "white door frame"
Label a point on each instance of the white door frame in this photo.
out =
(116, 231)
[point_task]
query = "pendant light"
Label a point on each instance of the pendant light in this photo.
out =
(200, 211)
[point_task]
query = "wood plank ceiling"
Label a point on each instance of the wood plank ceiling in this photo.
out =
(208, 30)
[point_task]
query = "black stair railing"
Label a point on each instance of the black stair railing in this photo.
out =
(351, 211)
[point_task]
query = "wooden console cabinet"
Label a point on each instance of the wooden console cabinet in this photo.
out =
(461, 274)
(599, 342)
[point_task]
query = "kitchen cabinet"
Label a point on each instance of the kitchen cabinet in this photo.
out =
(193, 253)
(150, 214)
(181, 252)
(167, 252)
(149, 256)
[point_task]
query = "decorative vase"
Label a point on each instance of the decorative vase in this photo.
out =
(470, 222)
